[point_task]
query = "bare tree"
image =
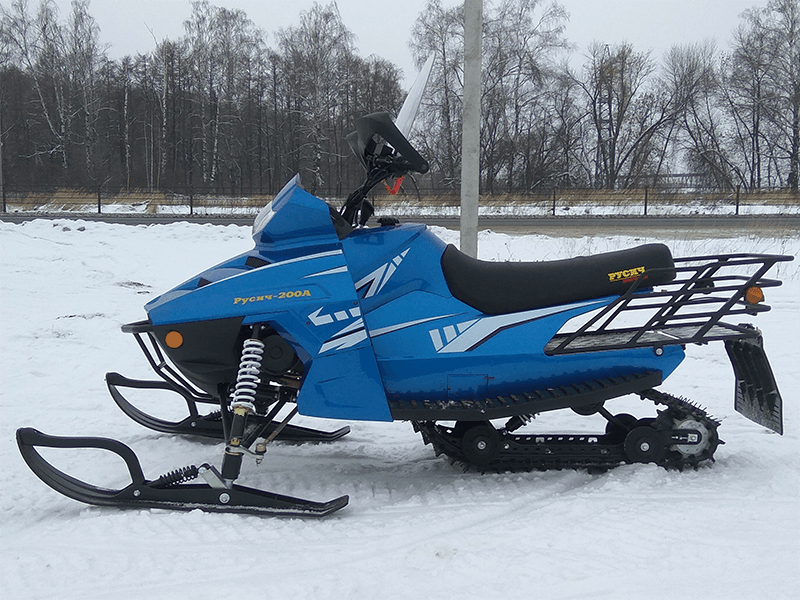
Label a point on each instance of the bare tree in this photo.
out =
(39, 47)
(523, 39)
(440, 32)
(84, 59)
(62, 61)
(746, 89)
(628, 110)
(782, 27)
(5, 63)
(692, 72)
(316, 56)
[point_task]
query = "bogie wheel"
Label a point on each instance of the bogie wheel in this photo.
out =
(588, 409)
(644, 445)
(620, 426)
(480, 444)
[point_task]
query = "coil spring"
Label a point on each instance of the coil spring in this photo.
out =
(177, 476)
(247, 379)
(518, 421)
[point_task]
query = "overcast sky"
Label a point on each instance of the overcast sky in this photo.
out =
(383, 28)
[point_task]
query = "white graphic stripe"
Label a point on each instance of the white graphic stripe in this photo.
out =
(391, 328)
(354, 325)
(436, 339)
(380, 276)
(318, 319)
(344, 342)
(281, 264)
(333, 271)
(477, 332)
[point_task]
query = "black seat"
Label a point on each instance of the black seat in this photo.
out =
(504, 287)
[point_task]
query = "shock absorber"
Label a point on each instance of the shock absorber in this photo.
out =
(243, 403)
(248, 377)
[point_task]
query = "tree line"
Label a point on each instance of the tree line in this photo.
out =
(216, 111)
(730, 118)
(221, 111)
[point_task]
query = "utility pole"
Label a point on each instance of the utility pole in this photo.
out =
(2, 181)
(471, 131)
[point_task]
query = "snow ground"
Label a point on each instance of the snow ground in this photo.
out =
(416, 527)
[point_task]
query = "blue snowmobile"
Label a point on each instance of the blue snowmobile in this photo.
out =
(326, 317)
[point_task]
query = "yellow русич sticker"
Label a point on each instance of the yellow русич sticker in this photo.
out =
(626, 274)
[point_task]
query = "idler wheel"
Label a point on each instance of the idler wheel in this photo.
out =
(480, 444)
(644, 445)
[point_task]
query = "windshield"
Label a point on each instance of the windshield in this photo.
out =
(294, 218)
(266, 213)
(408, 112)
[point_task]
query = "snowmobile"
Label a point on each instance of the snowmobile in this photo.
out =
(327, 317)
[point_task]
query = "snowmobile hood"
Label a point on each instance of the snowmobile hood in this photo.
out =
(293, 225)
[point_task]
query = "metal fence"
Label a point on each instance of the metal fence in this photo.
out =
(634, 201)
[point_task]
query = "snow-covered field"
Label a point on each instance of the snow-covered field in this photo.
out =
(416, 526)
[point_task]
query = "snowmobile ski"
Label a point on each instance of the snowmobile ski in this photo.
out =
(170, 491)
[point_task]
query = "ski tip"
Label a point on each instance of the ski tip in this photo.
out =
(27, 436)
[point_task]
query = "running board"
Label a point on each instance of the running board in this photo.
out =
(209, 425)
(168, 491)
(757, 395)
(527, 403)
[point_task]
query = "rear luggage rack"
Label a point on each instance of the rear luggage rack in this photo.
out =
(688, 310)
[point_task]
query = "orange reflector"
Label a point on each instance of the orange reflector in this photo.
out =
(754, 295)
(174, 339)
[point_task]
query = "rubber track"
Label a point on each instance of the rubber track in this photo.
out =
(530, 452)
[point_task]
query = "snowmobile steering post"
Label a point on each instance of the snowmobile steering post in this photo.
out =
(355, 203)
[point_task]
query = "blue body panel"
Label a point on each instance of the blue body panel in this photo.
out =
(372, 318)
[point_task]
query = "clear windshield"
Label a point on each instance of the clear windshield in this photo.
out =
(405, 119)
